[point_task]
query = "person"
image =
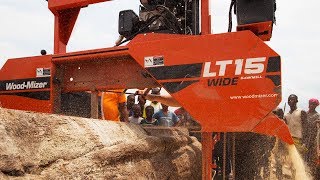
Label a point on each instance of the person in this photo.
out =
(155, 104)
(183, 115)
(113, 106)
(296, 120)
(317, 173)
(186, 119)
(136, 117)
(166, 117)
(149, 120)
(278, 112)
(312, 118)
(142, 102)
(130, 103)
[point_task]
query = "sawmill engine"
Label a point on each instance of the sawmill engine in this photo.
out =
(182, 16)
(161, 16)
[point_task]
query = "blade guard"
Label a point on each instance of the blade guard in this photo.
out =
(272, 125)
(228, 82)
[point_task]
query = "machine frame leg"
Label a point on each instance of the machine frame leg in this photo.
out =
(234, 155)
(55, 92)
(94, 104)
(207, 145)
(224, 158)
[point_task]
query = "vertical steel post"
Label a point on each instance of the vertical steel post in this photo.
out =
(207, 144)
(94, 105)
(234, 155)
(205, 17)
(224, 156)
(64, 21)
(55, 88)
(206, 137)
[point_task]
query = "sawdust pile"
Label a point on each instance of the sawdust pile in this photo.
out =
(42, 146)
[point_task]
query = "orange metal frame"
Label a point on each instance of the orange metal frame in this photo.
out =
(263, 29)
(66, 13)
(190, 73)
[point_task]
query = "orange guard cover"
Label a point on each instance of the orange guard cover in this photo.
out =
(227, 82)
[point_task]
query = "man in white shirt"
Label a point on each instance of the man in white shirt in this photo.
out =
(296, 120)
(154, 103)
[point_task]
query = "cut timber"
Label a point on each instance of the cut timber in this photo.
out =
(47, 146)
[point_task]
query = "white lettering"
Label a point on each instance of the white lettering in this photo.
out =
(206, 70)
(30, 84)
(26, 85)
(254, 65)
(223, 66)
(239, 63)
(251, 66)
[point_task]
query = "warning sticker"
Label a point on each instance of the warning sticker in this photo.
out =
(43, 72)
(153, 61)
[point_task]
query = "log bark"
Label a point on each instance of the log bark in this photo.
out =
(48, 146)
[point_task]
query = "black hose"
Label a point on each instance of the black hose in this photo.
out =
(176, 22)
(230, 15)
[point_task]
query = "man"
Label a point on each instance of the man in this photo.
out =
(278, 112)
(166, 117)
(154, 103)
(136, 117)
(142, 102)
(113, 105)
(312, 117)
(183, 115)
(149, 120)
(186, 120)
(296, 120)
(130, 103)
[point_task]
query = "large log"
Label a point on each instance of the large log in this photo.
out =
(47, 146)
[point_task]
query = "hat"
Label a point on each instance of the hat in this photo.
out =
(155, 90)
(314, 100)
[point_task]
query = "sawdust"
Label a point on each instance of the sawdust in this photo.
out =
(297, 163)
(287, 164)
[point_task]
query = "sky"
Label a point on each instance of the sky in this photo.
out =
(26, 27)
